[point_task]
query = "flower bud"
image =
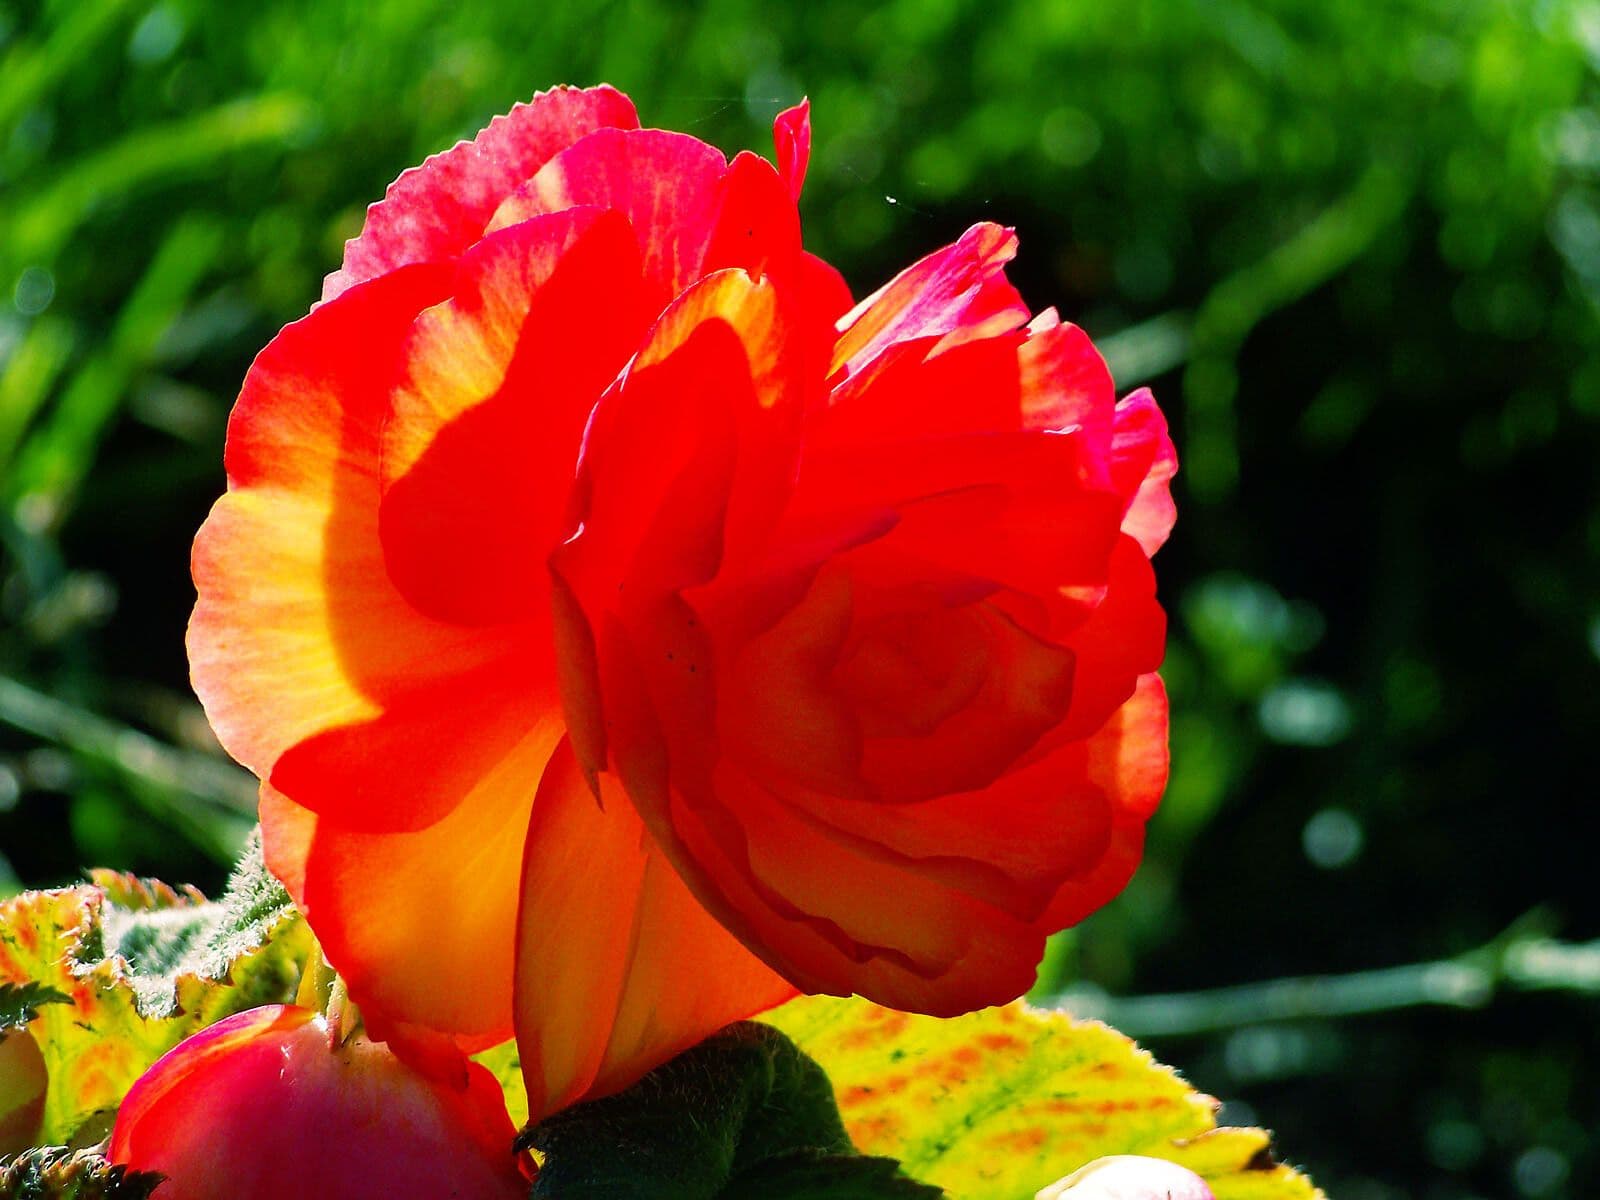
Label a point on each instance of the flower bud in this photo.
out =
(264, 1105)
(1129, 1177)
(23, 1079)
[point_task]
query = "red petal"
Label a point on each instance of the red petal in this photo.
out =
(619, 968)
(1146, 459)
(960, 290)
(482, 446)
(1066, 384)
(835, 919)
(1128, 761)
(435, 211)
(1123, 639)
(826, 293)
(757, 227)
(791, 140)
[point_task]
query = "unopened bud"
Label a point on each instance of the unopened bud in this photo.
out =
(1129, 1177)
(260, 1106)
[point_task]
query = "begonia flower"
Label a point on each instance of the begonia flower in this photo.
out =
(264, 1105)
(629, 631)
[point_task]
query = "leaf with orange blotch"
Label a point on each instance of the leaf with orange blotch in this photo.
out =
(998, 1104)
(133, 967)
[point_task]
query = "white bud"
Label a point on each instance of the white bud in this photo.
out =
(1129, 1177)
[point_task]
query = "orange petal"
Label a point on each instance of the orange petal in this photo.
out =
(298, 628)
(398, 912)
(435, 211)
(409, 765)
(618, 967)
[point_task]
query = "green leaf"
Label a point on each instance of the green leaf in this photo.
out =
(176, 947)
(56, 1173)
(999, 1103)
(19, 1004)
(504, 1062)
(743, 1110)
(144, 966)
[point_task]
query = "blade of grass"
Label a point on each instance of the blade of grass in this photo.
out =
(43, 225)
(53, 460)
(29, 374)
(29, 71)
(211, 802)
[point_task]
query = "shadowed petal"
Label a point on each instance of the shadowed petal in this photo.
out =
(619, 968)
(399, 912)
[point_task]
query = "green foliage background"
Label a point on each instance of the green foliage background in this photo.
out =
(1355, 247)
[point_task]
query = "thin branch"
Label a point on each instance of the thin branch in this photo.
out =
(1522, 962)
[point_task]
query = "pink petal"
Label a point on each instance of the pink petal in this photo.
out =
(959, 292)
(437, 210)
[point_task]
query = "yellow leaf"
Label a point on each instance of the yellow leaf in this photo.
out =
(997, 1104)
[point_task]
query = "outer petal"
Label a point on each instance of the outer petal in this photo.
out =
(791, 140)
(1123, 639)
(619, 967)
(1128, 761)
(1066, 383)
(298, 628)
(435, 211)
(958, 293)
(398, 912)
(1145, 457)
(668, 185)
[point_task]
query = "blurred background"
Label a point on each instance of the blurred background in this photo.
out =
(1355, 248)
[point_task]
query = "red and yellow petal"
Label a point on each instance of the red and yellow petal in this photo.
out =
(298, 628)
(398, 912)
(619, 967)
(436, 211)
